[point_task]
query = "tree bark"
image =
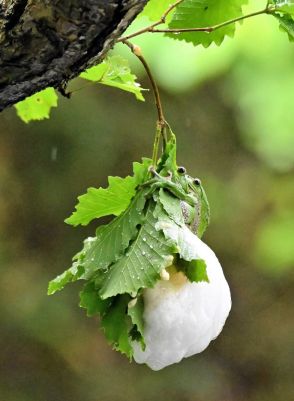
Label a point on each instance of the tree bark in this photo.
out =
(48, 42)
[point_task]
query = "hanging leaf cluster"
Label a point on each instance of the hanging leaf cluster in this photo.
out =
(133, 251)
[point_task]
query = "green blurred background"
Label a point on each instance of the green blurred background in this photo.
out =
(232, 109)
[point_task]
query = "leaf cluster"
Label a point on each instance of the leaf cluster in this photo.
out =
(129, 254)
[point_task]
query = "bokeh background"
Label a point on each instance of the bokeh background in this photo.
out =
(232, 109)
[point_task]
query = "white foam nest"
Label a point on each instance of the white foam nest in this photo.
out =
(181, 318)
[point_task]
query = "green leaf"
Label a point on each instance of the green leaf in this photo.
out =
(117, 325)
(135, 311)
(142, 263)
(103, 202)
(195, 270)
(114, 71)
(91, 301)
(205, 13)
(168, 161)
(196, 217)
(172, 206)
(108, 246)
(286, 25)
(112, 239)
(285, 6)
(178, 235)
(37, 106)
(203, 212)
(154, 9)
(74, 273)
(110, 201)
(121, 317)
(141, 170)
(95, 73)
(69, 276)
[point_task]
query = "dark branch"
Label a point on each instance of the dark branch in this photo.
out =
(48, 42)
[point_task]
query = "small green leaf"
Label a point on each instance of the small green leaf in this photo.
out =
(110, 201)
(114, 71)
(196, 217)
(172, 206)
(178, 235)
(74, 273)
(112, 239)
(195, 270)
(121, 318)
(202, 14)
(135, 311)
(286, 25)
(141, 170)
(142, 262)
(285, 6)
(69, 276)
(108, 246)
(168, 161)
(154, 9)
(103, 202)
(117, 325)
(37, 106)
(91, 301)
(95, 73)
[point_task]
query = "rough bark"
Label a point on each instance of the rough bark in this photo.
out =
(47, 42)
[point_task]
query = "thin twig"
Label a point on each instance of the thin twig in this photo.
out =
(152, 28)
(161, 122)
(211, 28)
(137, 51)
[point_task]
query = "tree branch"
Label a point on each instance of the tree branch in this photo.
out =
(48, 42)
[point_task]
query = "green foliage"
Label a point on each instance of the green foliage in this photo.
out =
(37, 106)
(117, 318)
(168, 160)
(141, 264)
(128, 254)
(74, 273)
(172, 206)
(114, 71)
(117, 325)
(110, 201)
(285, 6)
(103, 202)
(176, 234)
(91, 301)
(69, 276)
(286, 25)
(135, 311)
(195, 270)
(105, 248)
(154, 9)
(206, 13)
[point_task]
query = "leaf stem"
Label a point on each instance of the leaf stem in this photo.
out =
(161, 122)
(213, 27)
(152, 28)
(158, 134)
